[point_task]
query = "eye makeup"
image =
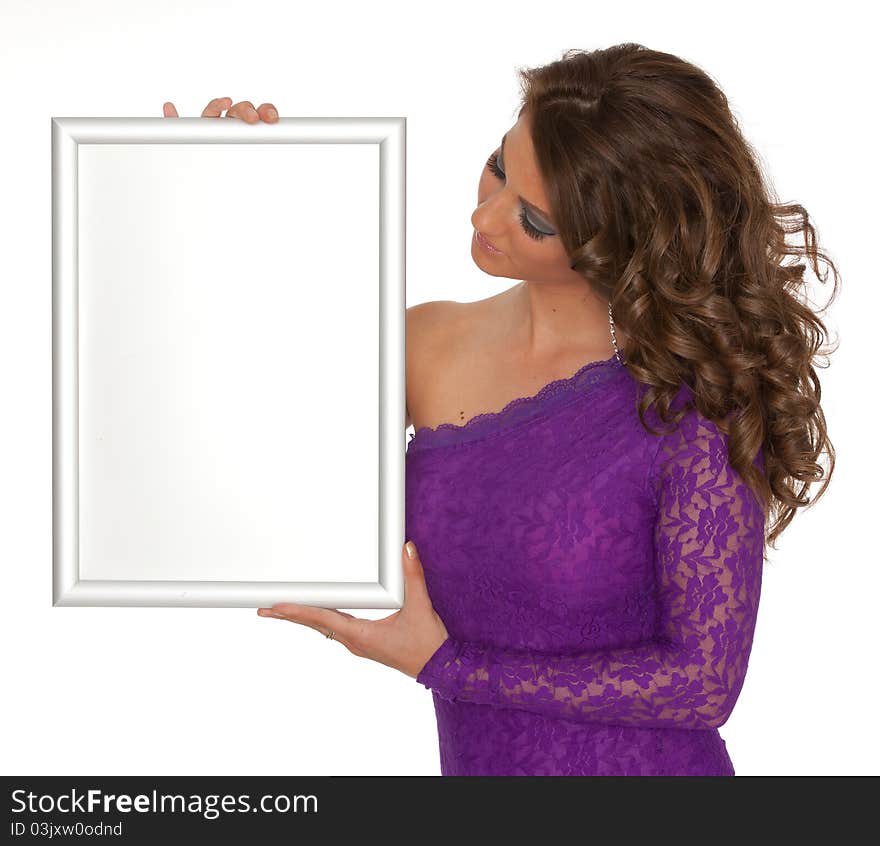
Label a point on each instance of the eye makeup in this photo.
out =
(533, 228)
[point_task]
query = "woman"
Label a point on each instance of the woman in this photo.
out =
(598, 449)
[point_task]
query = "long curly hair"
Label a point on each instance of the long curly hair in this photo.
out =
(662, 207)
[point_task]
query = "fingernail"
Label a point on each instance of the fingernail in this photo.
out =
(410, 549)
(271, 112)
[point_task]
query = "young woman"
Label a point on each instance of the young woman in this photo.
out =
(599, 449)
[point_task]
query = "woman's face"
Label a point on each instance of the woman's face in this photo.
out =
(513, 214)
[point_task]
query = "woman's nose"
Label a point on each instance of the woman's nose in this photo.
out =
(488, 217)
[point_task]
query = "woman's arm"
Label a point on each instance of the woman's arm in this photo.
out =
(708, 555)
(428, 327)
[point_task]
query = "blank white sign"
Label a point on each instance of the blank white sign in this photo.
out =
(229, 387)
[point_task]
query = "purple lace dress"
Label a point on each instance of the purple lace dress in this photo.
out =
(600, 584)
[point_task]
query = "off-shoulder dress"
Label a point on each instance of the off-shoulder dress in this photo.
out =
(599, 583)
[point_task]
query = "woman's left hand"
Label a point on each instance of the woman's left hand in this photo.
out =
(405, 640)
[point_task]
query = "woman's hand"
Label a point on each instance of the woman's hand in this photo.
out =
(244, 110)
(405, 640)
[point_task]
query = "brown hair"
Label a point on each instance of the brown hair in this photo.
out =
(661, 204)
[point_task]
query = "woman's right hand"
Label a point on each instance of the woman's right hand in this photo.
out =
(244, 110)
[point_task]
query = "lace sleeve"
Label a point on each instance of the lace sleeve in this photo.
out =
(708, 556)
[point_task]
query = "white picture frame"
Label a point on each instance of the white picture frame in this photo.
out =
(228, 361)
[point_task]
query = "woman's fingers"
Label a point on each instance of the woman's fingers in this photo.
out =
(216, 106)
(268, 113)
(322, 619)
(349, 630)
(244, 110)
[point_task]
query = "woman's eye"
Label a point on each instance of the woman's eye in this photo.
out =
(530, 230)
(527, 226)
(493, 166)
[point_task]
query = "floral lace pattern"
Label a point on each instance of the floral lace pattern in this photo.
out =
(551, 396)
(600, 584)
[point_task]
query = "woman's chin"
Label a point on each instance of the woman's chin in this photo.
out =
(481, 263)
(487, 263)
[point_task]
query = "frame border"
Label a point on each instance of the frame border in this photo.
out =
(67, 134)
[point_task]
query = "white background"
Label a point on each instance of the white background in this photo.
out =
(221, 691)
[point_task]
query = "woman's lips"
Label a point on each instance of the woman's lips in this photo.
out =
(488, 246)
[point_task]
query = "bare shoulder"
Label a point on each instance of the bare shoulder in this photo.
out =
(428, 324)
(429, 328)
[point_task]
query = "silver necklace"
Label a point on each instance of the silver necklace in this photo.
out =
(613, 336)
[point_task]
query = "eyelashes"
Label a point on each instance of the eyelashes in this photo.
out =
(530, 230)
(492, 164)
